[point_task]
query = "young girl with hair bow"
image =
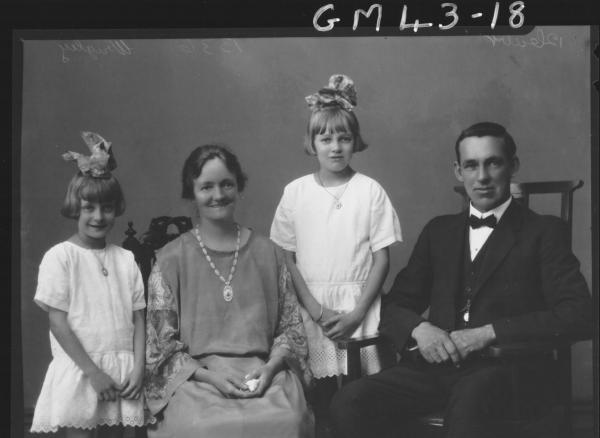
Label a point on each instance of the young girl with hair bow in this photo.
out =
(336, 225)
(94, 296)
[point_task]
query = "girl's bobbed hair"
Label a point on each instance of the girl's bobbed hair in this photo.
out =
(92, 189)
(332, 119)
(192, 168)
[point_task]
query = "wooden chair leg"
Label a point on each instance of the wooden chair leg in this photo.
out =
(353, 364)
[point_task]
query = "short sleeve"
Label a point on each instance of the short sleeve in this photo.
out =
(53, 287)
(282, 229)
(385, 225)
(137, 287)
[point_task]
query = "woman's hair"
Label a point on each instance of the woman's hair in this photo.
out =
(101, 190)
(335, 119)
(192, 168)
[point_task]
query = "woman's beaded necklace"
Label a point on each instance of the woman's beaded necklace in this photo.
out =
(227, 290)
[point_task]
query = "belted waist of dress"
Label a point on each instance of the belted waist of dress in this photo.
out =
(336, 283)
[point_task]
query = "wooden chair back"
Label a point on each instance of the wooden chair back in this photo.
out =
(159, 234)
(523, 191)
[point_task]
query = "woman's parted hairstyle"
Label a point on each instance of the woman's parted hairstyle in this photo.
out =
(101, 190)
(192, 168)
(335, 119)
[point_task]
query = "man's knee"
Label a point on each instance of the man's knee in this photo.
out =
(475, 402)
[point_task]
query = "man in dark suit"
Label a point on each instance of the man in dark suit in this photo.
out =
(495, 273)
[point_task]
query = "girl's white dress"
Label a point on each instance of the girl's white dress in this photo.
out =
(100, 313)
(334, 249)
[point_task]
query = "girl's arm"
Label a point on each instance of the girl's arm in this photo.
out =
(343, 325)
(311, 305)
(103, 384)
(132, 386)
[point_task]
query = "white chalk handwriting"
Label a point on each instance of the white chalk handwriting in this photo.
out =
(93, 49)
(409, 20)
(538, 40)
(210, 47)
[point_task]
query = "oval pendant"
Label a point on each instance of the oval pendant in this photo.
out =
(466, 316)
(338, 205)
(104, 272)
(227, 293)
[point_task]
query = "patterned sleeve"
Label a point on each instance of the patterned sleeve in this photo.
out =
(290, 338)
(53, 287)
(385, 226)
(168, 364)
(282, 228)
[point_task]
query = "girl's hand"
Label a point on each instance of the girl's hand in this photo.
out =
(132, 386)
(264, 374)
(229, 385)
(327, 314)
(104, 385)
(342, 325)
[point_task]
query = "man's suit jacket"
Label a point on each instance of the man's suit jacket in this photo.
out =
(529, 288)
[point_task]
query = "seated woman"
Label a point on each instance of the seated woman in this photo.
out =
(226, 349)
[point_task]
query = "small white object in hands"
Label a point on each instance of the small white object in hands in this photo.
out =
(252, 384)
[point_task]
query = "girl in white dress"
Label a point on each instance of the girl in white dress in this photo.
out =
(336, 225)
(94, 296)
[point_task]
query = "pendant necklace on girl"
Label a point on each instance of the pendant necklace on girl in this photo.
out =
(338, 203)
(95, 252)
(101, 261)
(227, 290)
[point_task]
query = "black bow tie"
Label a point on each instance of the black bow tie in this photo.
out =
(476, 222)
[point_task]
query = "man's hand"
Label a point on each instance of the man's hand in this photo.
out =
(472, 339)
(435, 345)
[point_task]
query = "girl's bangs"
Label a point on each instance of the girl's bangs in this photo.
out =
(98, 190)
(332, 122)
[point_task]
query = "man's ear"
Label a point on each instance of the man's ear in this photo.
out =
(458, 171)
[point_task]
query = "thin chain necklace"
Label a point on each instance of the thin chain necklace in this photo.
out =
(101, 261)
(338, 204)
(227, 290)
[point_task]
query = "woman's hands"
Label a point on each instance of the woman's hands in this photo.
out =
(341, 325)
(234, 386)
(104, 385)
(132, 386)
(264, 374)
(228, 384)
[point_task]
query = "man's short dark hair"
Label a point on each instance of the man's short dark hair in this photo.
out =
(483, 129)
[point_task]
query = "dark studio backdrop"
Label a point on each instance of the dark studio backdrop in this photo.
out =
(157, 99)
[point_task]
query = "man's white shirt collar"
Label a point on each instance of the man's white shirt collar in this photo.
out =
(478, 237)
(498, 211)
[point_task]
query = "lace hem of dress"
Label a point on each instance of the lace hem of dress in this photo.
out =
(329, 363)
(126, 421)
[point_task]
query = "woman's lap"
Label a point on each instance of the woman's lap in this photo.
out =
(198, 409)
